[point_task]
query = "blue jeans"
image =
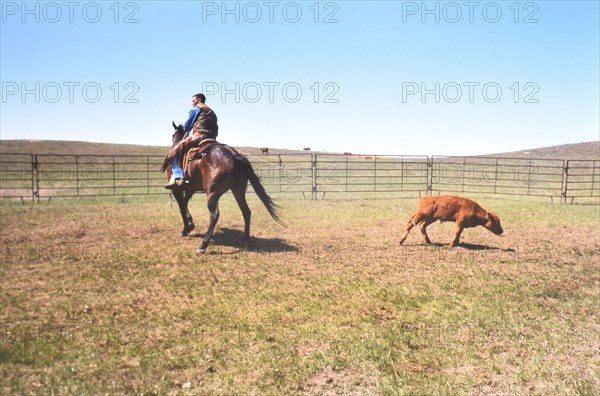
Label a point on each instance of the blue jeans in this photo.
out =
(176, 168)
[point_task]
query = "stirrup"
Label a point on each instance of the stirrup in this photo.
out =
(175, 182)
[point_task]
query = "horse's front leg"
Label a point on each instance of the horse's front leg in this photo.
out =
(183, 197)
(213, 208)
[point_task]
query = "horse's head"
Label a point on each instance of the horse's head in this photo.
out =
(178, 134)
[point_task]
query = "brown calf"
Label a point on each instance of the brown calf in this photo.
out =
(264, 150)
(464, 212)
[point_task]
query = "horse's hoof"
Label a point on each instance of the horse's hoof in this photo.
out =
(200, 251)
(186, 231)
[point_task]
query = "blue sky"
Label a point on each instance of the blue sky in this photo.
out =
(377, 77)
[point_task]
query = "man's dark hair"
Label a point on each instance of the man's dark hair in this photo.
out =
(201, 97)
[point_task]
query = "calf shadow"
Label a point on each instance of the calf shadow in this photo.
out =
(228, 237)
(476, 247)
(465, 246)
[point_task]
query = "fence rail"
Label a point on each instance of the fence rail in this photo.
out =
(38, 176)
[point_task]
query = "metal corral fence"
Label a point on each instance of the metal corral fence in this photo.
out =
(35, 176)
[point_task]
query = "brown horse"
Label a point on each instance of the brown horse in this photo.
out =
(221, 169)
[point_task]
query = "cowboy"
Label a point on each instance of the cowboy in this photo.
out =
(201, 124)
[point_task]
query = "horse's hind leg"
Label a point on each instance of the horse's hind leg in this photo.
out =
(239, 193)
(213, 208)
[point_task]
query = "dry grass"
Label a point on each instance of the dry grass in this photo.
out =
(105, 299)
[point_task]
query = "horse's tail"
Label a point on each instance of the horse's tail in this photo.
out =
(177, 152)
(271, 206)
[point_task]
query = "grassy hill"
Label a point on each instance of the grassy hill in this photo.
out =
(75, 147)
(587, 150)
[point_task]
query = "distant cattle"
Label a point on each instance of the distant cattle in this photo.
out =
(464, 212)
(306, 149)
(347, 154)
(264, 150)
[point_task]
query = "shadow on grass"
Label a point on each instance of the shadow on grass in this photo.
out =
(228, 237)
(472, 246)
(464, 246)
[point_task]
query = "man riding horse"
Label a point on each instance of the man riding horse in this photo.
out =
(202, 121)
(220, 168)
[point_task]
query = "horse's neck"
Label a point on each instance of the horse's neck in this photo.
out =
(179, 140)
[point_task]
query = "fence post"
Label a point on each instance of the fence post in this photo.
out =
(346, 173)
(565, 181)
(374, 173)
(314, 176)
(594, 183)
(147, 175)
(430, 175)
(495, 177)
(35, 180)
(282, 175)
(526, 176)
(114, 176)
(77, 174)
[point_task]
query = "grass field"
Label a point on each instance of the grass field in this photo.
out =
(105, 298)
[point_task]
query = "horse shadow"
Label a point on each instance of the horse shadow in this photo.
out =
(228, 237)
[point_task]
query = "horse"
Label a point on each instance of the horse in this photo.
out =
(221, 169)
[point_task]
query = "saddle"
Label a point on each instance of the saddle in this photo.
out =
(197, 153)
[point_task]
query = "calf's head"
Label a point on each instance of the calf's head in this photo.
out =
(493, 223)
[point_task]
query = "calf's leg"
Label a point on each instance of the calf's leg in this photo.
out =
(457, 231)
(409, 227)
(423, 228)
(413, 221)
